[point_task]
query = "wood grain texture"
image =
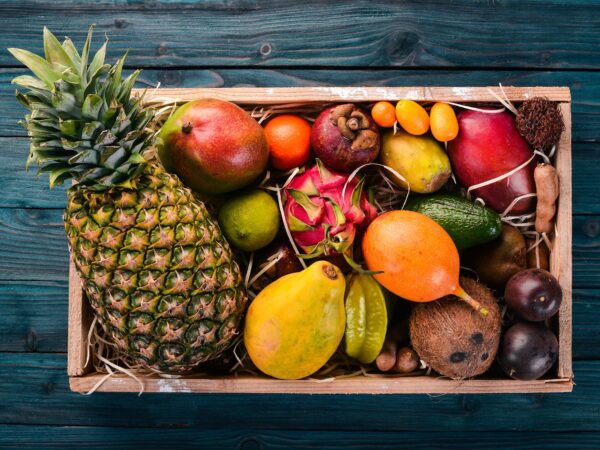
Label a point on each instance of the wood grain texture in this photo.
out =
(561, 260)
(246, 33)
(35, 390)
(100, 438)
(585, 86)
(21, 189)
(340, 94)
(34, 318)
(33, 247)
(357, 385)
(80, 318)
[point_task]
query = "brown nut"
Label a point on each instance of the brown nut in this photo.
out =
(387, 357)
(406, 360)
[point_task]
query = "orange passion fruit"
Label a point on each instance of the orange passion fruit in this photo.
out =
(417, 258)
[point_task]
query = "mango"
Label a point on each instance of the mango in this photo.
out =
(296, 323)
(421, 160)
(214, 146)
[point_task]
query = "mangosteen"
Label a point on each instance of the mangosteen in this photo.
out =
(344, 137)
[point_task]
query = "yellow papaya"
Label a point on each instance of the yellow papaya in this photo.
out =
(296, 323)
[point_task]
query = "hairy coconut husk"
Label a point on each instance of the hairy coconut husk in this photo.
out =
(454, 339)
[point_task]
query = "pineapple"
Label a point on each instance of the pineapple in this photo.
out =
(154, 264)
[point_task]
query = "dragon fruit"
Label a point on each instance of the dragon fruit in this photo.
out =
(323, 218)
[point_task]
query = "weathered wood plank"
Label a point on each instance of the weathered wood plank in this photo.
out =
(34, 389)
(30, 437)
(33, 245)
(252, 96)
(585, 86)
(21, 189)
(30, 238)
(586, 248)
(34, 316)
(250, 384)
(382, 34)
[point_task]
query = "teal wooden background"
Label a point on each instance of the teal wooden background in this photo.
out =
(218, 43)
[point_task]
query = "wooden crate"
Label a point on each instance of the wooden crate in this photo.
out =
(81, 380)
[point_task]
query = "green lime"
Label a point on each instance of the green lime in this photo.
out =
(250, 220)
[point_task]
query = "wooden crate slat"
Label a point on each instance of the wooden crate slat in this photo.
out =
(561, 256)
(356, 385)
(262, 96)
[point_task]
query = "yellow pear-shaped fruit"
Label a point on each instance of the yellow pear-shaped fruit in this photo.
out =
(421, 160)
(296, 323)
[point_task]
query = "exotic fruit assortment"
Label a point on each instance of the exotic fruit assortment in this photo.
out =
(398, 238)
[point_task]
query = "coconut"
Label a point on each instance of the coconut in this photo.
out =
(454, 339)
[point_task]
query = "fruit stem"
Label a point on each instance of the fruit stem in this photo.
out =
(330, 271)
(460, 293)
(187, 128)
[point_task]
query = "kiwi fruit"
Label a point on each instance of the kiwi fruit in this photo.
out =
(498, 260)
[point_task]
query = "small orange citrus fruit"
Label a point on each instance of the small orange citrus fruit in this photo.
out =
(444, 125)
(384, 114)
(289, 141)
(412, 117)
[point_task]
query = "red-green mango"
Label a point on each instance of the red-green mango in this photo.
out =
(213, 145)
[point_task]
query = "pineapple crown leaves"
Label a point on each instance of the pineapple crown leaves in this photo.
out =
(83, 122)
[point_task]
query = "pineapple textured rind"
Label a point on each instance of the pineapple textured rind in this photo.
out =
(155, 267)
(156, 270)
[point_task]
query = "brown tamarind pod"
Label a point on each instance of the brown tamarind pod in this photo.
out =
(407, 360)
(387, 357)
(546, 185)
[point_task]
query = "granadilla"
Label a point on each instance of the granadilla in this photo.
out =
(325, 212)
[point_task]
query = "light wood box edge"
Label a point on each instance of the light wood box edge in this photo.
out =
(560, 264)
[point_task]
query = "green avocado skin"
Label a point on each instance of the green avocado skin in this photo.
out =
(468, 223)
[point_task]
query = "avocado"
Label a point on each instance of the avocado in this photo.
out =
(467, 223)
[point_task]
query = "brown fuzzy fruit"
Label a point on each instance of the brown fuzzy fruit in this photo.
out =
(540, 122)
(452, 338)
(496, 261)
